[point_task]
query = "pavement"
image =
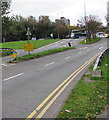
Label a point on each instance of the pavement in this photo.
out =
(105, 114)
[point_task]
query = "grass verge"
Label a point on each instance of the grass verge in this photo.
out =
(5, 53)
(90, 41)
(40, 54)
(87, 99)
(20, 44)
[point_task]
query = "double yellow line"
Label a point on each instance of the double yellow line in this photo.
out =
(62, 87)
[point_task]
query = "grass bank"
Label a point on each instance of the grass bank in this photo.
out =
(90, 41)
(88, 99)
(40, 54)
(5, 53)
(20, 44)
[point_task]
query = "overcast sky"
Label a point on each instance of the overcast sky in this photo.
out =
(71, 9)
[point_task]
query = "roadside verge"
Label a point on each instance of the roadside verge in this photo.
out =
(40, 54)
(91, 41)
(89, 97)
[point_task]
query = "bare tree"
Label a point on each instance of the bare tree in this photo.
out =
(5, 6)
(91, 24)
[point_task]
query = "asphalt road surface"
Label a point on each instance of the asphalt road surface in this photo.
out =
(37, 88)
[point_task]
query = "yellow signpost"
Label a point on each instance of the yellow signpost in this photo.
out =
(29, 47)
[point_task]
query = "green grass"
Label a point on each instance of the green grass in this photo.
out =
(40, 54)
(87, 99)
(105, 67)
(20, 44)
(5, 53)
(90, 41)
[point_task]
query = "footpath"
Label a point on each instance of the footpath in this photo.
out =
(105, 114)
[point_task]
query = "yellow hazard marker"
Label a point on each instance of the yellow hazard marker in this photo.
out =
(85, 41)
(14, 54)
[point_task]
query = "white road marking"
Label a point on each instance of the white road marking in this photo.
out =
(83, 48)
(67, 57)
(49, 64)
(13, 77)
(100, 47)
(4, 64)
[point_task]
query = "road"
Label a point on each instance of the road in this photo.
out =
(26, 85)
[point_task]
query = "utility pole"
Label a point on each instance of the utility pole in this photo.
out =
(0, 22)
(85, 18)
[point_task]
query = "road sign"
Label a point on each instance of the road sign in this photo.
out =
(28, 32)
(29, 47)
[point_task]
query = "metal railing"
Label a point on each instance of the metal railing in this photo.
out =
(99, 59)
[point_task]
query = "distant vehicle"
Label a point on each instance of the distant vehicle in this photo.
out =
(100, 34)
(41, 39)
(78, 34)
(106, 35)
(33, 38)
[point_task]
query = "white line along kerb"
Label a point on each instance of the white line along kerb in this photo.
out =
(13, 77)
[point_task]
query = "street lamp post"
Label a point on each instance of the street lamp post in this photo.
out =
(85, 18)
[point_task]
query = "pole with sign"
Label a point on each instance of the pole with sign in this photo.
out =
(28, 34)
(28, 47)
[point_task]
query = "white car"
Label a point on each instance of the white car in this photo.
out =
(33, 38)
(100, 34)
